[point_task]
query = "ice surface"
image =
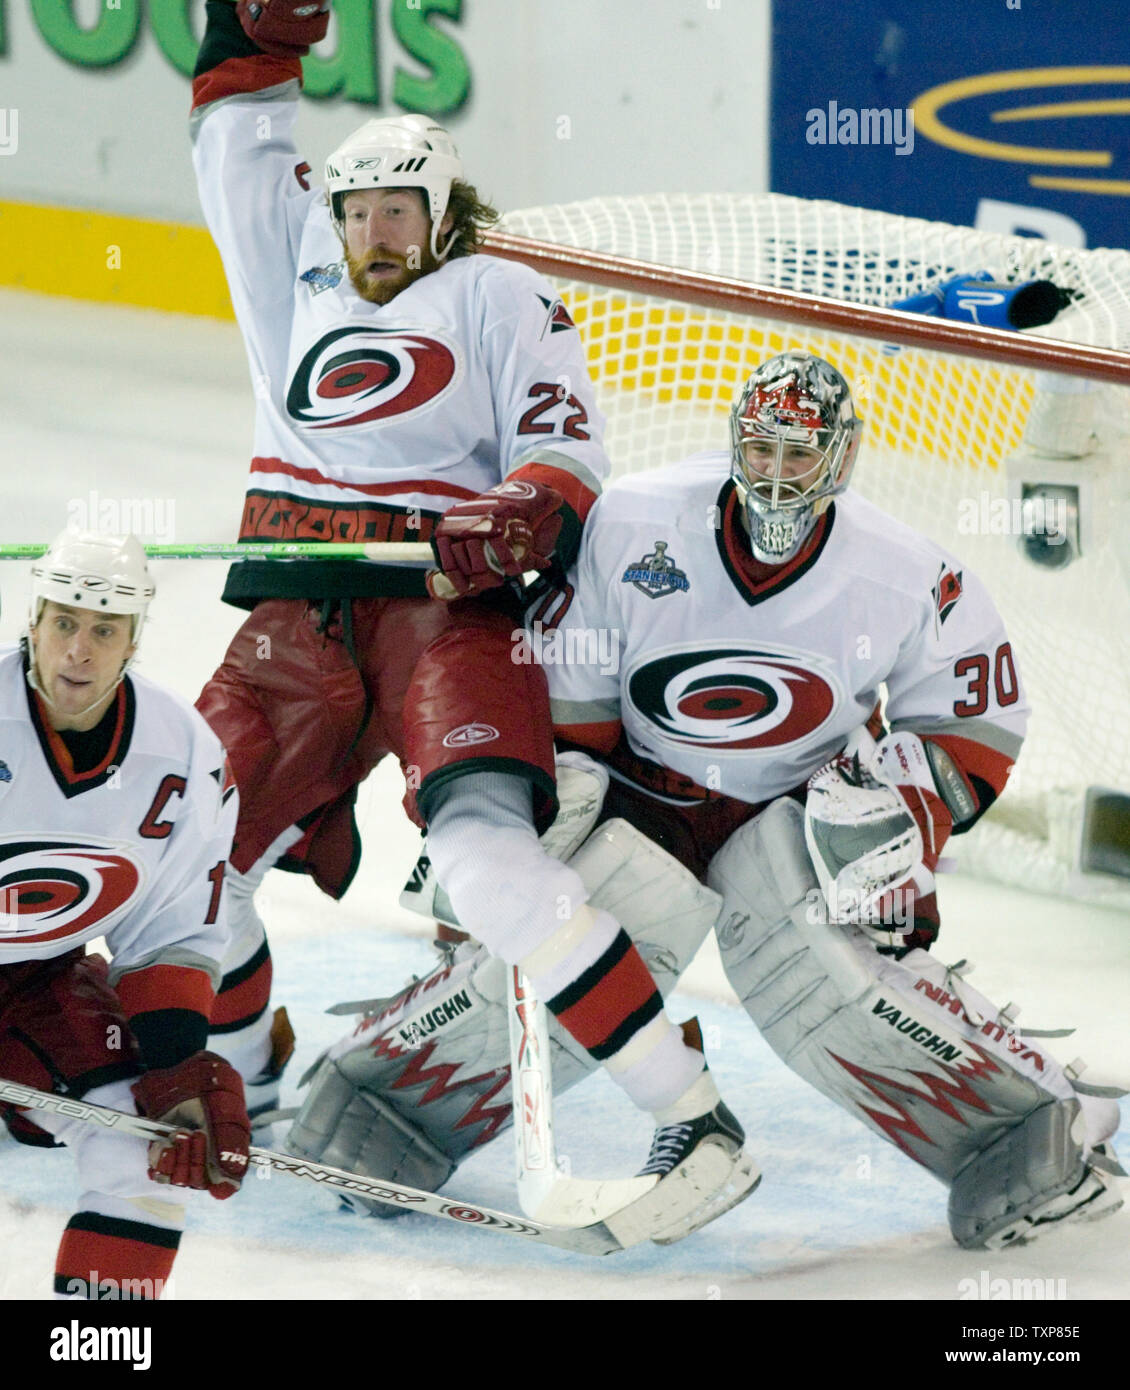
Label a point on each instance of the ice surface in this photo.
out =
(127, 404)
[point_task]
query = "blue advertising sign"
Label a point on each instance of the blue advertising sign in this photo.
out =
(1012, 115)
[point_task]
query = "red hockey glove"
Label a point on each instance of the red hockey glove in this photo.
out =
(498, 535)
(284, 28)
(204, 1094)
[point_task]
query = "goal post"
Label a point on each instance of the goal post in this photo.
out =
(967, 430)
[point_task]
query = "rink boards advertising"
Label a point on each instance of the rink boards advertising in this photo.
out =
(1013, 116)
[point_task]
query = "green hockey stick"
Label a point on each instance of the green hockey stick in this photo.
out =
(388, 552)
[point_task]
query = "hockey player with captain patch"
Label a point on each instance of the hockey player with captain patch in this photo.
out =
(761, 609)
(116, 816)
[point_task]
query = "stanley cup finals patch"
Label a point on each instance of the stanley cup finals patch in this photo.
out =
(656, 574)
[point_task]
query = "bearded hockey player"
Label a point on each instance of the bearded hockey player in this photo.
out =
(761, 609)
(116, 818)
(405, 386)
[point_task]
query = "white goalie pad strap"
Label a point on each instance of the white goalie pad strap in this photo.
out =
(465, 993)
(582, 784)
(908, 1048)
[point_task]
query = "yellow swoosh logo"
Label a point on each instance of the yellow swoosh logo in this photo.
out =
(929, 104)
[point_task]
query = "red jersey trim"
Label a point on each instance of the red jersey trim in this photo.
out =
(576, 493)
(756, 582)
(430, 486)
(165, 987)
(601, 737)
(243, 76)
(57, 756)
(976, 759)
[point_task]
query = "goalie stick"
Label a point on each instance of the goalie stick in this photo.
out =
(618, 1232)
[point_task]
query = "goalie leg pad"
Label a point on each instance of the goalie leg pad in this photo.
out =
(350, 1128)
(438, 1053)
(1033, 1177)
(907, 1047)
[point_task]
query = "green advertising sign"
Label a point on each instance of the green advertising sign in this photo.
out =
(351, 72)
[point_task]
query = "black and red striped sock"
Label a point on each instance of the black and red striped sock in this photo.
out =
(108, 1257)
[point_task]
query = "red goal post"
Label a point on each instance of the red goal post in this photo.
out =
(678, 297)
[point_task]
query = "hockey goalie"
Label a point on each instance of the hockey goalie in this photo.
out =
(737, 769)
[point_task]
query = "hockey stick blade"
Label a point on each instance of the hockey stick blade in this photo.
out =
(544, 1192)
(593, 1239)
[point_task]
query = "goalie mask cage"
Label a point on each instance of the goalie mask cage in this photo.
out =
(948, 439)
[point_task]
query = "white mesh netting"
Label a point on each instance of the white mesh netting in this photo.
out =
(940, 431)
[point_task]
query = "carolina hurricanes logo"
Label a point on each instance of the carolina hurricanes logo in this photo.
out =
(947, 591)
(224, 778)
(363, 376)
(557, 318)
(53, 887)
(736, 698)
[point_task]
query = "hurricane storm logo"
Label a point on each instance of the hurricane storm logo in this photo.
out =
(56, 887)
(364, 376)
(732, 698)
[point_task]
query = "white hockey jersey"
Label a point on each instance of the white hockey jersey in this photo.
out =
(372, 420)
(748, 689)
(133, 850)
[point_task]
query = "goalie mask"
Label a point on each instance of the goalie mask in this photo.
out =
(794, 436)
(397, 152)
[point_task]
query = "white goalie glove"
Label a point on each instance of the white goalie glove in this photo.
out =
(874, 825)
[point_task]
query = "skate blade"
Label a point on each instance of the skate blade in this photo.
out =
(709, 1183)
(1105, 1201)
(744, 1181)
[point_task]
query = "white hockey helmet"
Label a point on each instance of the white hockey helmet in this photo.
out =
(85, 569)
(795, 398)
(397, 152)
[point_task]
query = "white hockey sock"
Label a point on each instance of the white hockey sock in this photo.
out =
(505, 889)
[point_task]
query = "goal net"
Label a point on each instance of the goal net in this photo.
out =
(951, 446)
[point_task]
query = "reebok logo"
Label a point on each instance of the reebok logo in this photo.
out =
(467, 734)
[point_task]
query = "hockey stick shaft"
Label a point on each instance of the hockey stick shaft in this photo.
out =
(387, 552)
(531, 1087)
(595, 1239)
